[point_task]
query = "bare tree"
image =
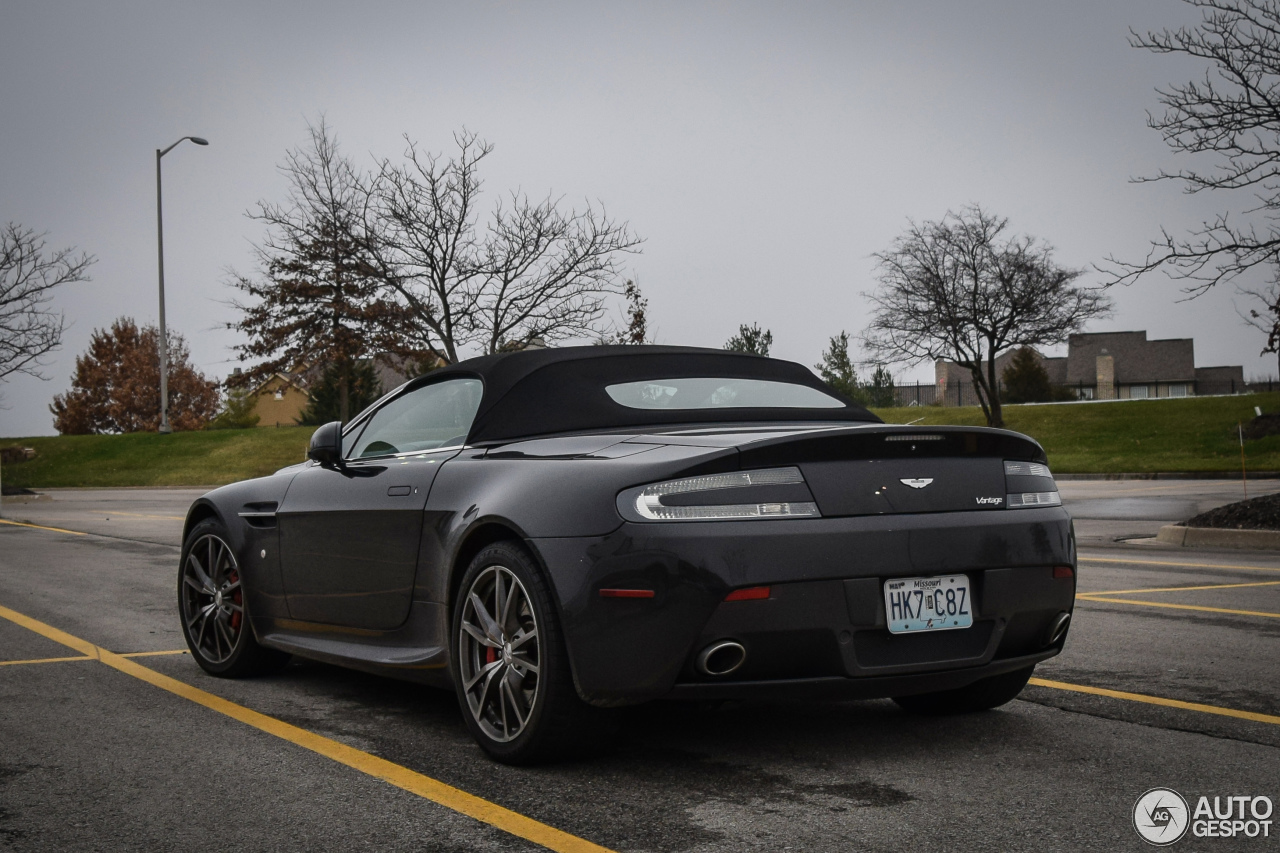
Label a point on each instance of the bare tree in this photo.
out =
(960, 289)
(29, 273)
(1233, 117)
(1266, 320)
(316, 299)
(535, 270)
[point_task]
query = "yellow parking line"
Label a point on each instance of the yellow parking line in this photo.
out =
(1182, 588)
(402, 777)
(82, 657)
(1270, 719)
(1181, 565)
(42, 660)
(1178, 606)
(42, 527)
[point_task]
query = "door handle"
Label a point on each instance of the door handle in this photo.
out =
(399, 491)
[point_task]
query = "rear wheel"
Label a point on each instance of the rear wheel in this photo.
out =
(980, 696)
(511, 670)
(211, 604)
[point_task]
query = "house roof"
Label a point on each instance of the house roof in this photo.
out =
(1056, 367)
(293, 380)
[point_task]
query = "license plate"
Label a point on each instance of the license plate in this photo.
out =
(928, 604)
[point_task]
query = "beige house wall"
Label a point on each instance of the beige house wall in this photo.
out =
(284, 411)
(1106, 377)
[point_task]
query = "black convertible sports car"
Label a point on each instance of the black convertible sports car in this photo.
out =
(553, 532)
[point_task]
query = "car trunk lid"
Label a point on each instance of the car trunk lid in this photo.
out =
(887, 470)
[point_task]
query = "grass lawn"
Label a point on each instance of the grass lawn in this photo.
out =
(147, 459)
(1184, 434)
(1189, 434)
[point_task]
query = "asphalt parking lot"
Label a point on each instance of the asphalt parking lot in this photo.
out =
(111, 738)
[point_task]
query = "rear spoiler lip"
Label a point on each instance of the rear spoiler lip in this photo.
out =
(860, 443)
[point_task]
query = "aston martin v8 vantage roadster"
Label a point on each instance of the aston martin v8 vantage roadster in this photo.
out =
(555, 532)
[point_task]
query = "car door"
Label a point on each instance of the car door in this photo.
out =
(349, 533)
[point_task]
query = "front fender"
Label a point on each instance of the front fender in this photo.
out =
(254, 540)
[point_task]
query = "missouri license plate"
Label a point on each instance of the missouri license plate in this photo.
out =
(928, 604)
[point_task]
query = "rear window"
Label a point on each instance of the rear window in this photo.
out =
(713, 393)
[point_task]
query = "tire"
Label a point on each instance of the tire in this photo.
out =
(211, 607)
(511, 670)
(980, 696)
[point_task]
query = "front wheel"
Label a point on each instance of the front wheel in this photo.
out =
(510, 667)
(980, 696)
(211, 605)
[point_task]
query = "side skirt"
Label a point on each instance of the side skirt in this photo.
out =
(417, 651)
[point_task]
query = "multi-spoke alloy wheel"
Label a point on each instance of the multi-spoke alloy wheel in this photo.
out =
(212, 599)
(212, 605)
(499, 653)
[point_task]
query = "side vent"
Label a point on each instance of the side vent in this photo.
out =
(261, 515)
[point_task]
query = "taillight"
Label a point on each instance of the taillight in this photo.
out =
(771, 493)
(1029, 484)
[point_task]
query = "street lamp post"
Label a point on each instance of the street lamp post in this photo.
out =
(164, 337)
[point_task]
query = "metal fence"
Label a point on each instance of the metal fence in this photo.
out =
(965, 393)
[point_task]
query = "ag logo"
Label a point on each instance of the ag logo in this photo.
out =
(916, 484)
(1160, 816)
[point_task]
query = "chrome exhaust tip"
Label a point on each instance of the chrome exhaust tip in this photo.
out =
(721, 658)
(1058, 629)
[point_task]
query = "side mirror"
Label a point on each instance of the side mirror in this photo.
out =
(326, 444)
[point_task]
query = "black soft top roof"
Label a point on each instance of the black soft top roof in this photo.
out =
(545, 391)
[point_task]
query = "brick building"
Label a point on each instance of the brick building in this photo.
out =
(1117, 366)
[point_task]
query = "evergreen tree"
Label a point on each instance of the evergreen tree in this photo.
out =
(750, 339)
(837, 369)
(1025, 379)
(326, 403)
(880, 391)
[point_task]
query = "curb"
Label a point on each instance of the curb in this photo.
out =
(1173, 475)
(1215, 537)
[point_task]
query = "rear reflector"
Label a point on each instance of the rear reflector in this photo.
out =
(1063, 572)
(626, 593)
(751, 593)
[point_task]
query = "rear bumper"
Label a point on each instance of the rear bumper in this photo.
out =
(865, 687)
(822, 631)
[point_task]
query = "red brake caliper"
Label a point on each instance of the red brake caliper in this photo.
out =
(238, 599)
(490, 654)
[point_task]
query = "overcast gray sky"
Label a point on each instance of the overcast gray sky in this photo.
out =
(764, 151)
